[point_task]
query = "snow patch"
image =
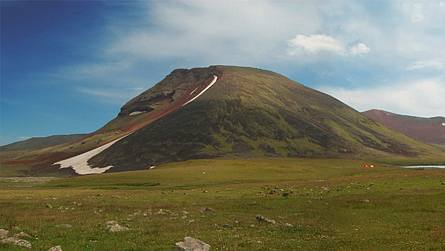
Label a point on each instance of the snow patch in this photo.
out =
(443, 124)
(205, 89)
(135, 113)
(80, 164)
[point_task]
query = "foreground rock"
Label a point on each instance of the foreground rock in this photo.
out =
(55, 248)
(14, 240)
(261, 218)
(113, 226)
(192, 244)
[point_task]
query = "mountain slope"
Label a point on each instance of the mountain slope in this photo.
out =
(428, 130)
(252, 112)
(41, 142)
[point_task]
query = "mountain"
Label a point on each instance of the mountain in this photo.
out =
(226, 112)
(427, 130)
(250, 112)
(41, 142)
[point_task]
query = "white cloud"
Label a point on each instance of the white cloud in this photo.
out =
(419, 98)
(434, 64)
(359, 48)
(316, 43)
(319, 43)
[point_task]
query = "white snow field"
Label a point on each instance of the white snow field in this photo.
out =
(80, 164)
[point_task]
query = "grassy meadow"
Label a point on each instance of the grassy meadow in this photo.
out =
(327, 204)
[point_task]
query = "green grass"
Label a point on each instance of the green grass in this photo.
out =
(332, 205)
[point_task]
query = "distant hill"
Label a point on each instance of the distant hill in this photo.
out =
(428, 130)
(41, 142)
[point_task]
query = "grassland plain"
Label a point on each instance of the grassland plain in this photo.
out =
(324, 204)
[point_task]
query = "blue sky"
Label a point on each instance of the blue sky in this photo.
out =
(68, 66)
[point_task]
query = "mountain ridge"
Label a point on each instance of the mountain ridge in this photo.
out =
(428, 130)
(41, 142)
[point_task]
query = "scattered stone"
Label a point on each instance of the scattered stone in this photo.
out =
(207, 210)
(192, 244)
(227, 226)
(64, 226)
(288, 225)
(365, 201)
(49, 205)
(261, 218)
(113, 226)
(55, 248)
(16, 241)
(163, 211)
(22, 235)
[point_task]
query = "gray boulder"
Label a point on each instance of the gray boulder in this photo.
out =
(192, 244)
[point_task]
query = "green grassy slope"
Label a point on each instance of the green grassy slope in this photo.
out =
(252, 112)
(331, 204)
